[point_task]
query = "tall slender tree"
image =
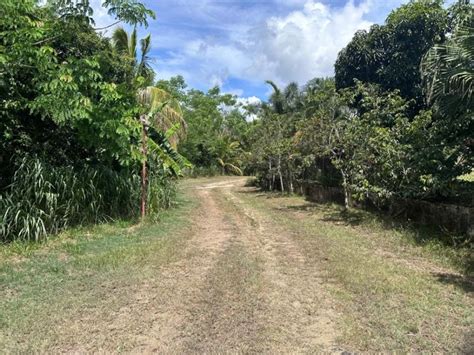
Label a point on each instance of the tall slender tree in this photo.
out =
(126, 44)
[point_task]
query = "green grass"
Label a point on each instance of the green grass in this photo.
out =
(392, 291)
(42, 199)
(48, 287)
(395, 288)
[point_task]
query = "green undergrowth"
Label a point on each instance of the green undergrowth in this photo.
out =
(47, 284)
(392, 291)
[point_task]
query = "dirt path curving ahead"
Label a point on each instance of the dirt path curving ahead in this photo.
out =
(242, 286)
(235, 270)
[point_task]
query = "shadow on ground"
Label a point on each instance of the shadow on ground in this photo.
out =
(420, 235)
(463, 282)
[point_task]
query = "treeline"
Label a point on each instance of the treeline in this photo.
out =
(87, 134)
(218, 133)
(396, 121)
(84, 134)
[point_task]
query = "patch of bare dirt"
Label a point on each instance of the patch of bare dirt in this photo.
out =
(242, 285)
(246, 287)
(300, 316)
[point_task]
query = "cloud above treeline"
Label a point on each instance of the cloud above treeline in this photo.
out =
(240, 44)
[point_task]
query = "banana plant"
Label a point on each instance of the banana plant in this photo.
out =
(159, 110)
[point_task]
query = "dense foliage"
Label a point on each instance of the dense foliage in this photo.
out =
(217, 129)
(86, 132)
(397, 121)
(71, 141)
(390, 54)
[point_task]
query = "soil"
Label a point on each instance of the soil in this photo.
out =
(242, 286)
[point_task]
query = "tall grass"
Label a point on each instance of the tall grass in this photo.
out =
(161, 191)
(43, 199)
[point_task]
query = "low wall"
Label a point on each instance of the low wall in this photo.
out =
(318, 193)
(451, 218)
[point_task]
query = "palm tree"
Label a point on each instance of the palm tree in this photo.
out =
(277, 98)
(227, 152)
(161, 118)
(293, 97)
(448, 70)
(285, 106)
(289, 100)
(159, 110)
(168, 113)
(170, 116)
(126, 45)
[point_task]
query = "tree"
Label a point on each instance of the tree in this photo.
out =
(448, 70)
(70, 140)
(288, 100)
(390, 55)
(158, 109)
(126, 45)
(228, 154)
(129, 11)
(448, 73)
(205, 114)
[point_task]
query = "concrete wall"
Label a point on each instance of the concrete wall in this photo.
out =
(451, 218)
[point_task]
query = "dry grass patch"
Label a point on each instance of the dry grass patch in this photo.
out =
(63, 295)
(411, 299)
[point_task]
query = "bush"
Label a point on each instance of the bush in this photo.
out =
(43, 199)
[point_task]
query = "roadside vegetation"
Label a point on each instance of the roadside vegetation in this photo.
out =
(121, 228)
(382, 130)
(53, 290)
(86, 107)
(80, 121)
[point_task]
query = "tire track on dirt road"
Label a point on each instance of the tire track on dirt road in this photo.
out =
(242, 286)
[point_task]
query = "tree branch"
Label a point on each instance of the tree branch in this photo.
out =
(45, 40)
(104, 28)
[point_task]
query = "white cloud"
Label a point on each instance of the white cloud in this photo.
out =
(251, 100)
(296, 46)
(242, 105)
(248, 101)
(304, 44)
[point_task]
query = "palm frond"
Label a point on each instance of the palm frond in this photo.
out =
(166, 111)
(448, 71)
(120, 41)
(132, 46)
(276, 98)
(234, 169)
(169, 157)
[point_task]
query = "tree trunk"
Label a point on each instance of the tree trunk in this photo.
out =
(144, 172)
(290, 177)
(279, 173)
(272, 177)
(347, 192)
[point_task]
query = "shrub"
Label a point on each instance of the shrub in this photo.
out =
(43, 199)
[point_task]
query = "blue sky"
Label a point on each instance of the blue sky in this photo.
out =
(238, 44)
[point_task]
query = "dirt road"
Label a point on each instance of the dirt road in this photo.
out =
(242, 285)
(235, 270)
